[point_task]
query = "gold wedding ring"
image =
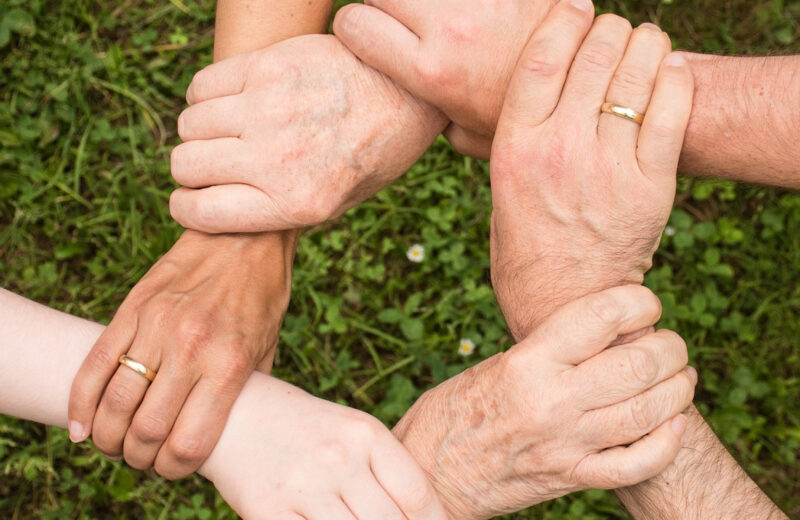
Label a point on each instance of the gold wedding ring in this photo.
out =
(623, 112)
(137, 367)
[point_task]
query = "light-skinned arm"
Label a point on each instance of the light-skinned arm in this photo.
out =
(746, 110)
(283, 454)
(204, 317)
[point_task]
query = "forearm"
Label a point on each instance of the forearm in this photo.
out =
(745, 119)
(247, 25)
(41, 350)
(704, 482)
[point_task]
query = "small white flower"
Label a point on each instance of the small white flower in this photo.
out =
(416, 253)
(669, 231)
(466, 347)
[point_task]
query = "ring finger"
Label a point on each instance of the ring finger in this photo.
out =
(121, 399)
(632, 85)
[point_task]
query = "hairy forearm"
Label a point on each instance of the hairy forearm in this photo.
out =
(704, 483)
(745, 119)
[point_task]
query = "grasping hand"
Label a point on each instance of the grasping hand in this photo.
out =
(459, 56)
(581, 198)
(286, 455)
(556, 413)
(204, 317)
(291, 136)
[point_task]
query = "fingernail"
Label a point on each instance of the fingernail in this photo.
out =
(350, 18)
(678, 424)
(77, 433)
(648, 25)
(114, 459)
(692, 373)
(674, 60)
(583, 5)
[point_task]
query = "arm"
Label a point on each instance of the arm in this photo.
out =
(745, 116)
(572, 220)
(282, 454)
(745, 119)
(172, 322)
(704, 482)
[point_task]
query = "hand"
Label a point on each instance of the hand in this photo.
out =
(581, 199)
(203, 318)
(457, 56)
(554, 414)
(291, 136)
(287, 455)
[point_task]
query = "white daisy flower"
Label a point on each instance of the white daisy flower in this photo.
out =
(466, 346)
(416, 253)
(669, 231)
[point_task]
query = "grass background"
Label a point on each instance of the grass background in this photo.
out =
(89, 94)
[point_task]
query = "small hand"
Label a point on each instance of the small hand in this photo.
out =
(204, 317)
(581, 198)
(291, 136)
(459, 56)
(287, 455)
(557, 413)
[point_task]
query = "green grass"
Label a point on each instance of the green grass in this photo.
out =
(90, 91)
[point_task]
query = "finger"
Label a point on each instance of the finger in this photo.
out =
(536, 86)
(156, 416)
(367, 499)
(96, 371)
(212, 119)
(664, 125)
(123, 395)
(469, 143)
(200, 423)
(402, 478)
(642, 460)
(633, 84)
(632, 419)
(584, 327)
(381, 42)
(232, 208)
(197, 164)
(621, 372)
(593, 68)
(224, 78)
(408, 12)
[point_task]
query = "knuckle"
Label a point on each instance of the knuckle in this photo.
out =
(433, 73)
(641, 414)
(150, 428)
(600, 56)
(642, 365)
(334, 454)
(539, 61)
(100, 358)
(121, 398)
(234, 368)
(460, 30)
(631, 80)
(676, 341)
(605, 309)
(188, 448)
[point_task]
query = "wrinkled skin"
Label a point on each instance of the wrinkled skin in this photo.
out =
(581, 198)
(458, 56)
(291, 136)
(555, 414)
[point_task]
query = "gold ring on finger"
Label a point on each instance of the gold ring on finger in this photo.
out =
(623, 112)
(137, 367)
